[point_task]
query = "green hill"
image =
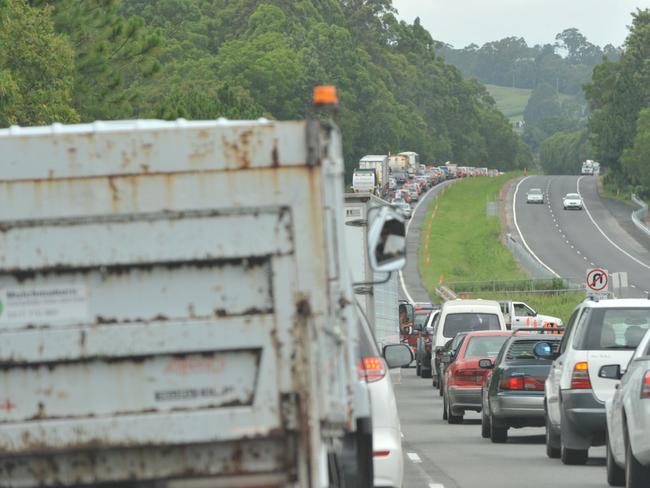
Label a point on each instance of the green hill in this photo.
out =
(511, 101)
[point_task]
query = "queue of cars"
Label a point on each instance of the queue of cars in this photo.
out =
(588, 384)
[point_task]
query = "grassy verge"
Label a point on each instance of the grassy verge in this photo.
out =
(460, 242)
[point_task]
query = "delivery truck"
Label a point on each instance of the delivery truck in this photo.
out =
(176, 305)
(379, 163)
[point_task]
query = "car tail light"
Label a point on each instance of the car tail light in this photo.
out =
(521, 383)
(380, 453)
(580, 378)
(372, 369)
(469, 376)
(645, 385)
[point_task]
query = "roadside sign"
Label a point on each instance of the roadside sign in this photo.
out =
(597, 280)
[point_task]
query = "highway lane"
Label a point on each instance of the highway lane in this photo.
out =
(439, 455)
(570, 241)
(456, 456)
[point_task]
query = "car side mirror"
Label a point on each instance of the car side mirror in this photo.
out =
(397, 355)
(544, 350)
(610, 372)
(386, 240)
(445, 357)
(485, 363)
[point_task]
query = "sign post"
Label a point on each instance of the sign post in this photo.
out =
(597, 282)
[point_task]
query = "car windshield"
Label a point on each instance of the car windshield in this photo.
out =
(573, 196)
(615, 328)
(535, 191)
(484, 346)
(464, 322)
(523, 349)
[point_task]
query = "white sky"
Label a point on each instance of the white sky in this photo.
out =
(462, 22)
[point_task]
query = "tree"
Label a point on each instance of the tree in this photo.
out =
(36, 67)
(544, 103)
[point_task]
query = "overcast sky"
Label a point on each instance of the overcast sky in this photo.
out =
(462, 22)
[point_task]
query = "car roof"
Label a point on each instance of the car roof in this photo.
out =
(536, 189)
(489, 333)
(618, 303)
(458, 303)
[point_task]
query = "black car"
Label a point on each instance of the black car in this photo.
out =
(513, 393)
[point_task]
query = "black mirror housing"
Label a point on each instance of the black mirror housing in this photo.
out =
(610, 372)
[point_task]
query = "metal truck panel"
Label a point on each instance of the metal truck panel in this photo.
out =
(174, 302)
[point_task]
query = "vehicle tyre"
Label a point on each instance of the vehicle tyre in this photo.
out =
(451, 418)
(418, 368)
(444, 407)
(574, 456)
(440, 387)
(553, 446)
(498, 435)
(636, 474)
(615, 474)
(485, 425)
(425, 373)
(435, 380)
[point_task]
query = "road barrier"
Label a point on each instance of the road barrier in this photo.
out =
(639, 215)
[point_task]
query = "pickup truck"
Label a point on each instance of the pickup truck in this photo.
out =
(162, 322)
(519, 314)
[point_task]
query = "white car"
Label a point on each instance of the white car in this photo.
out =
(388, 461)
(461, 316)
(628, 420)
(535, 195)
(599, 333)
(572, 200)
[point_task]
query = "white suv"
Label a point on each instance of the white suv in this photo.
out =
(599, 333)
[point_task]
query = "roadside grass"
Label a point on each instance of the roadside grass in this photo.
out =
(460, 242)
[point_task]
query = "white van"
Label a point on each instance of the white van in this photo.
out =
(462, 316)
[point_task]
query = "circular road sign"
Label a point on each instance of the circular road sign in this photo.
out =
(597, 279)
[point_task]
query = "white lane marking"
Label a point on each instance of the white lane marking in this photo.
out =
(572, 246)
(436, 485)
(577, 251)
(633, 286)
(408, 226)
(593, 264)
(402, 434)
(413, 456)
(586, 258)
(521, 236)
(584, 205)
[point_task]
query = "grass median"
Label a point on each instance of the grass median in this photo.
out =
(460, 242)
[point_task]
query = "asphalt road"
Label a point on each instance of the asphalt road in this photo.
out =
(570, 241)
(439, 455)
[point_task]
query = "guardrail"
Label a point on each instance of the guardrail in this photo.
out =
(445, 293)
(640, 214)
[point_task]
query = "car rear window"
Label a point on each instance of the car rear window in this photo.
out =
(615, 328)
(484, 346)
(465, 322)
(523, 349)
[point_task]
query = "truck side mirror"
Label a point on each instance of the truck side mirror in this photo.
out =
(387, 240)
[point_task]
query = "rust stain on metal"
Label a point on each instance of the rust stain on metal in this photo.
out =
(144, 168)
(275, 158)
(114, 190)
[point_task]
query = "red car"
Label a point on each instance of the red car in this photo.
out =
(464, 377)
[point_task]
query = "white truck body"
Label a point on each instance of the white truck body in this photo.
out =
(364, 180)
(413, 158)
(161, 321)
(520, 315)
(380, 164)
(398, 163)
(379, 302)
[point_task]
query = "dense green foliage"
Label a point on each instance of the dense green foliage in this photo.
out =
(567, 64)
(619, 99)
(110, 59)
(563, 152)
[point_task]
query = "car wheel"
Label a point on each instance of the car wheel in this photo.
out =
(498, 435)
(418, 368)
(553, 447)
(451, 418)
(444, 407)
(485, 425)
(574, 456)
(440, 387)
(615, 474)
(636, 474)
(425, 373)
